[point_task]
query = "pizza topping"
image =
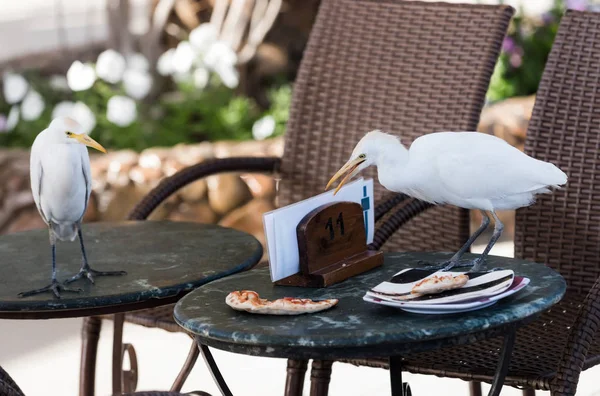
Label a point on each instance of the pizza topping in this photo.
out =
(437, 283)
(250, 301)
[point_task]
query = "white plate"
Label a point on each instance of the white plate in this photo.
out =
(400, 293)
(446, 312)
(455, 307)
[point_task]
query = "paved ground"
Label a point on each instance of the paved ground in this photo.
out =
(43, 357)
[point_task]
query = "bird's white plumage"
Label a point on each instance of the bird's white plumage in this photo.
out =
(60, 177)
(466, 169)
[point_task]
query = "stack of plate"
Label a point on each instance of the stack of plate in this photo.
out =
(481, 290)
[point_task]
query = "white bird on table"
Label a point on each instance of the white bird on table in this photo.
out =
(61, 183)
(470, 170)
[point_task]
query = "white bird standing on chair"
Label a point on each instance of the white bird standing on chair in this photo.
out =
(470, 170)
(61, 183)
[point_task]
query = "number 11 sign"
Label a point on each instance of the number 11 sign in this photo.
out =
(332, 247)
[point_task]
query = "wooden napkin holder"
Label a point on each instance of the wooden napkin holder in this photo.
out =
(332, 246)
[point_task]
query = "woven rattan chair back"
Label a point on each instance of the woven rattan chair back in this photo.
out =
(562, 229)
(405, 67)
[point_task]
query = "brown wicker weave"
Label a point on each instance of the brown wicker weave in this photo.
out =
(8, 387)
(161, 393)
(561, 230)
(409, 68)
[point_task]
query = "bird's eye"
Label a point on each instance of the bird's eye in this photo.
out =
(362, 156)
(69, 133)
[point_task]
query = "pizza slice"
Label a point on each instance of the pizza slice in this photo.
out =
(439, 283)
(250, 301)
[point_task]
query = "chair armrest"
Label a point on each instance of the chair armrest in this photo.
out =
(581, 337)
(192, 173)
(409, 210)
(393, 200)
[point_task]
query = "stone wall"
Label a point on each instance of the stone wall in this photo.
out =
(122, 178)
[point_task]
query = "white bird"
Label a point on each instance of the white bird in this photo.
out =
(470, 170)
(61, 185)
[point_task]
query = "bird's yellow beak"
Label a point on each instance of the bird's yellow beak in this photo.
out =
(88, 141)
(349, 167)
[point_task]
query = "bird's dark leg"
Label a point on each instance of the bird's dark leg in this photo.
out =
(86, 270)
(498, 228)
(454, 260)
(55, 286)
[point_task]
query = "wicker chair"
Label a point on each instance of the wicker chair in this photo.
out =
(406, 67)
(561, 230)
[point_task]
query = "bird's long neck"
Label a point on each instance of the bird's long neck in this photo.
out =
(391, 164)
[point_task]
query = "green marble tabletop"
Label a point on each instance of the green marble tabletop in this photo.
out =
(163, 259)
(355, 328)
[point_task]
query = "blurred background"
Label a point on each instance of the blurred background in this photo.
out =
(164, 84)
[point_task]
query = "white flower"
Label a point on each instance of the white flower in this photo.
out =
(63, 109)
(137, 61)
(79, 111)
(164, 65)
(59, 82)
(137, 83)
(203, 37)
(220, 54)
(110, 66)
(229, 75)
(183, 57)
(263, 128)
(15, 87)
(32, 107)
(201, 77)
(84, 116)
(81, 76)
(121, 110)
(183, 77)
(13, 118)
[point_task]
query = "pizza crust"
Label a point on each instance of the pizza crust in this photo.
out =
(437, 284)
(250, 301)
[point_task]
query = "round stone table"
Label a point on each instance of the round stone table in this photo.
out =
(163, 260)
(355, 328)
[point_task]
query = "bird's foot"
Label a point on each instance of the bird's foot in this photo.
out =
(90, 273)
(55, 287)
(475, 265)
(441, 266)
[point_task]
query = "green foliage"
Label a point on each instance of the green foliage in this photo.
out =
(183, 115)
(281, 100)
(525, 51)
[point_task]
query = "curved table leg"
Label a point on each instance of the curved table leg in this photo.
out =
(214, 370)
(505, 355)
(186, 369)
(90, 333)
(294, 383)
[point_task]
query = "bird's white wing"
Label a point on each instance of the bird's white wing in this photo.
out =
(483, 168)
(87, 175)
(36, 173)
